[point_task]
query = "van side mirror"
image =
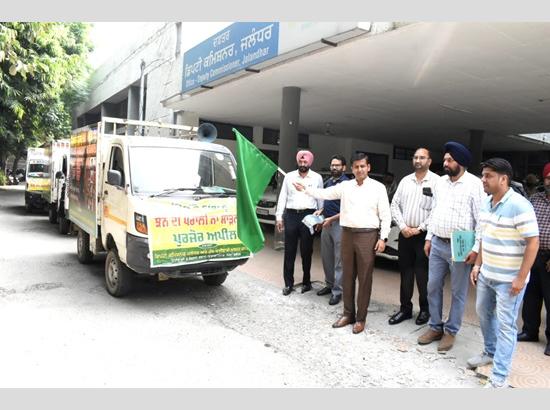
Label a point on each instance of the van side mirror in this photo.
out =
(114, 177)
(59, 175)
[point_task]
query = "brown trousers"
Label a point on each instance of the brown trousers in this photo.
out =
(357, 263)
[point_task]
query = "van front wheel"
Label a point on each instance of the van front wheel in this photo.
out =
(118, 277)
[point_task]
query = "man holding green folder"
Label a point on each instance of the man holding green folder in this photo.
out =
(457, 200)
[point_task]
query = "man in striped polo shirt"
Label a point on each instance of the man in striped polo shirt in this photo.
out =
(509, 245)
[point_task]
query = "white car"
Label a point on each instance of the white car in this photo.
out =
(392, 245)
(265, 210)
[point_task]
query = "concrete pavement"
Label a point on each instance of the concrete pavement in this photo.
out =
(531, 368)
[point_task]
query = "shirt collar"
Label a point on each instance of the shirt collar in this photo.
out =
(339, 179)
(427, 177)
(366, 180)
(460, 180)
(506, 196)
(308, 175)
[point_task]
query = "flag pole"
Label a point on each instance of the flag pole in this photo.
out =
(281, 171)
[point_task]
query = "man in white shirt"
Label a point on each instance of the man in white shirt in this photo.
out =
(411, 207)
(365, 218)
(292, 207)
(457, 202)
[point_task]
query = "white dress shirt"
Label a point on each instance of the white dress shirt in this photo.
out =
(410, 206)
(456, 207)
(291, 198)
(361, 206)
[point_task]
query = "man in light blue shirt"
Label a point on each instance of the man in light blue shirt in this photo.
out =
(509, 245)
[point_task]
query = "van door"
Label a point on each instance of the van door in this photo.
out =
(115, 201)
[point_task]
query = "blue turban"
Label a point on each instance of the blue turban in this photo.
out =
(459, 152)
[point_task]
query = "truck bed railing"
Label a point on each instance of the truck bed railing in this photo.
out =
(119, 126)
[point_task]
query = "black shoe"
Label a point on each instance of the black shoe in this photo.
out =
(525, 337)
(287, 290)
(399, 317)
(325, 291)
(422, 318)
(547, 350)
(335, 299)
(306, 288)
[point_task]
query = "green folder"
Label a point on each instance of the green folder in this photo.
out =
(461, 244)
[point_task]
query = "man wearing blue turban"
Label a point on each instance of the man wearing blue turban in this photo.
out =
(457, 201)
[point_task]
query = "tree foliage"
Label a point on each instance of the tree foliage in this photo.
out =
(43, 74)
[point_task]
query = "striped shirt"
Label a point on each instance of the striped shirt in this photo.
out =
(456, 207)
(411, 205)
(504, 228)
(541, 204)
(291, 198)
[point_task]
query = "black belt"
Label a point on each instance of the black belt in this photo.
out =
(446, 240)
(300, 211)
(347, 228)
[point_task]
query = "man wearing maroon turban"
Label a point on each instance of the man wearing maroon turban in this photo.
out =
(538, 288)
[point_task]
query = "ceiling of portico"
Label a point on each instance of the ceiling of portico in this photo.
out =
(423, 83)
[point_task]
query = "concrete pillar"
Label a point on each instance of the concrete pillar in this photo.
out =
(187, 118)
(290, 120)
(476, 147)
(108, 110)
(133, 108)
(133, 103)
(257, 136)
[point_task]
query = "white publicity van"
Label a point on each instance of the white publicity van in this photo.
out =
(37, 179)
(157, 198)
(58, 156)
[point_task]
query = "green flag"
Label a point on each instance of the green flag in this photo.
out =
(254, 171)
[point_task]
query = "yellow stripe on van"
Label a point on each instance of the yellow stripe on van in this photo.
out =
(107, 214)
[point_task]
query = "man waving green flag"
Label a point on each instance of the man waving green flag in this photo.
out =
(254, 171)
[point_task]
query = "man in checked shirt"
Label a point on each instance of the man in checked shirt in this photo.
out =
(538, 288)
(457, 201)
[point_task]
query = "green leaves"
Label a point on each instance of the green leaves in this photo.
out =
(43, 72)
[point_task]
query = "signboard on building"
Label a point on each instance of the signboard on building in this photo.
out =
(235, 48)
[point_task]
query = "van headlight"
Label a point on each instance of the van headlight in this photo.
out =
(140, 222)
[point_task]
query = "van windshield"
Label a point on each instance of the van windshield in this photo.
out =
(158, 169)
(37, 169)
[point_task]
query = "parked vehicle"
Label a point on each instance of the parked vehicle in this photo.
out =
(265, 210)
(159, 205)
(58, 154)
(38, 179)
(11, 178)
(20, 174)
